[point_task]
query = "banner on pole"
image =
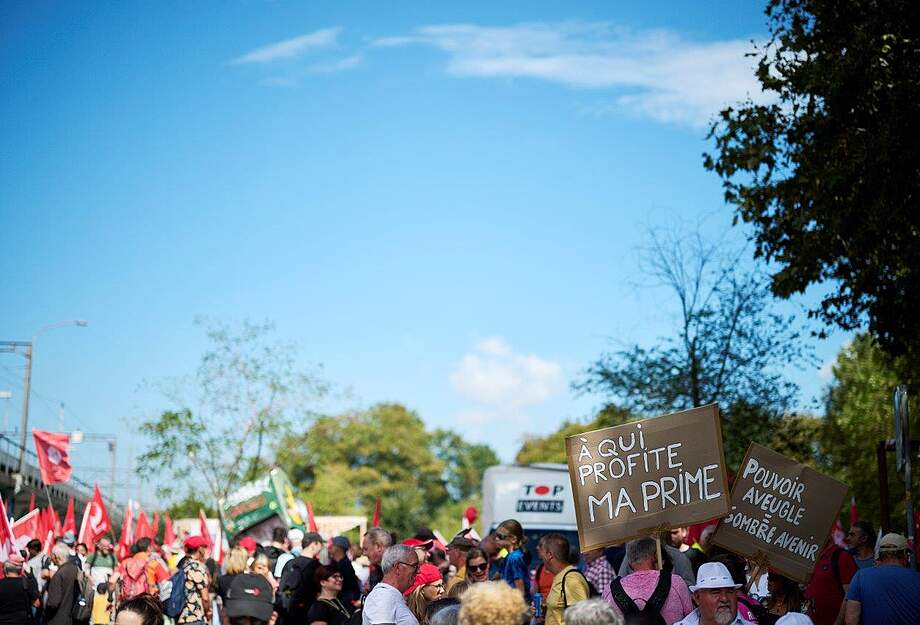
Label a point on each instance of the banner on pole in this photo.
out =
(633, 479)
(781, 513)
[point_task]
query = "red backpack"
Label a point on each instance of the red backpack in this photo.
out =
(134, 581)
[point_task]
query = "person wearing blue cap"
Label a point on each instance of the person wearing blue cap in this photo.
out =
(350, 594)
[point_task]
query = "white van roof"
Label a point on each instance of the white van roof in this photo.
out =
(537, 495)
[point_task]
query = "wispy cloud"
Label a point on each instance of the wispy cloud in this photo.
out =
(492, 374)
(291, 48)
(657, 74)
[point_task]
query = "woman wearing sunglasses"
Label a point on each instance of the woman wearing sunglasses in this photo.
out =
(427, 587)
(510, 535)
(477, 566)
(327, 609)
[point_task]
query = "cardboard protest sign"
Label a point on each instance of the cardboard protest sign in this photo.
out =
(781, 513)
(629, 480)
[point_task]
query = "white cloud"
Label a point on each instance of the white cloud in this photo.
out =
(290, 48)
(492, 374)
(663, 75)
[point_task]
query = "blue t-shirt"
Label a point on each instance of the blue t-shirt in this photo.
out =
(889, 594)
(516, 568)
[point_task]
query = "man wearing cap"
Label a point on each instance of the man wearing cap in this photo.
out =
(457, 549)
(385, 604)
(421, 547)
(18, 595)
(197, 610)
(70, 539)
(716, 594)
(351, 589)
(887, 593)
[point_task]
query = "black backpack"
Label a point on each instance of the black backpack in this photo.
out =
(592, 592)
(295, 592)
(651, 613)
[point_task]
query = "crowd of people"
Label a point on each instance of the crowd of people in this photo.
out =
(300, 578)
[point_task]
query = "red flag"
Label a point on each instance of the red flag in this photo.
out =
(57, 522)
(7, 539)
(169, 537)
(156, 525)
(27, 525)
(48, 544)
(99, 524)
(377, 513)
(203, 528)
(311, 521)
(70, 523)
(84, 524)
(51, 448)
(127, 534)
(143, 529)
(32, 502)
(854, 513)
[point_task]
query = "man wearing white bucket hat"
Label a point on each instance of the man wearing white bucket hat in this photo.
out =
(716, 594)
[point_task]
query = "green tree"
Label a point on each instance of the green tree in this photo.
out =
(341, 464)
(246, 392)
(728, 346)
(551, 448)
(858, 414)
(828, 175)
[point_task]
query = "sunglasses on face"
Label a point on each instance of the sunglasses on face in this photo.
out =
(477, 568)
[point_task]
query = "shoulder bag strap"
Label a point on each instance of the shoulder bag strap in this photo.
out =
(624, 601)
(661, 592)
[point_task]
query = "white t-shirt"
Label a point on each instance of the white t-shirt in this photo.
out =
(385, 604)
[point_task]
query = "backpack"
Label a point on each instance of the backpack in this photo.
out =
(134, 581)
(175, 601)
(651, 613)
(591, 591)
(293, 587)
(83, 598)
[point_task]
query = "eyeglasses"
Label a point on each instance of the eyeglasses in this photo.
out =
(478, 568)
(414, 566)
(336, 576)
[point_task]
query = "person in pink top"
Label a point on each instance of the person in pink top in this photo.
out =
(640, 585)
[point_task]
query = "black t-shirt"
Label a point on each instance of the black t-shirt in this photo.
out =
(332, 612)
(16, 597)
(223, 585)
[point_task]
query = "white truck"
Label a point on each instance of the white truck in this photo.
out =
(539, 496)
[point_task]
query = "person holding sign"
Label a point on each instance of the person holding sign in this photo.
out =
(716, 594)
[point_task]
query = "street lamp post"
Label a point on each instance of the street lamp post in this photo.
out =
(24, 423)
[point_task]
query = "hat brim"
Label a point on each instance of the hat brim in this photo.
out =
(704, 587)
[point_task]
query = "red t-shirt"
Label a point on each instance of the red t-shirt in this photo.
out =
(824, 589)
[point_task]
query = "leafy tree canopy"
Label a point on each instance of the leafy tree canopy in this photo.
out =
(343, 463)
(828, 175)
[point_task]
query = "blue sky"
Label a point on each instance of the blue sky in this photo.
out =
(442, 204)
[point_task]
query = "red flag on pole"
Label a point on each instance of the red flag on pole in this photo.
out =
(57, 522)
(32, 502)
(84, 524)
(70, 522)
(838, 534)
(143, 529)
(51, 448)
(27, 525)
(169, 537)
(127, 534)
(376, 522)
(854, 513)
(311, 521)
(99, 524)
(7, 540)
(203, 528)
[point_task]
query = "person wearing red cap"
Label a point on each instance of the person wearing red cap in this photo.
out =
(249, 544)
(427, 586)
(421, 548)
(16, 595)
(197, 610)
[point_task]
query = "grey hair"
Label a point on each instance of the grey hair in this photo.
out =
(591, 612)
(393, 555)
(61, 550)
(640, 550)
(446, 616)
(10, 568)
(379, 536)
